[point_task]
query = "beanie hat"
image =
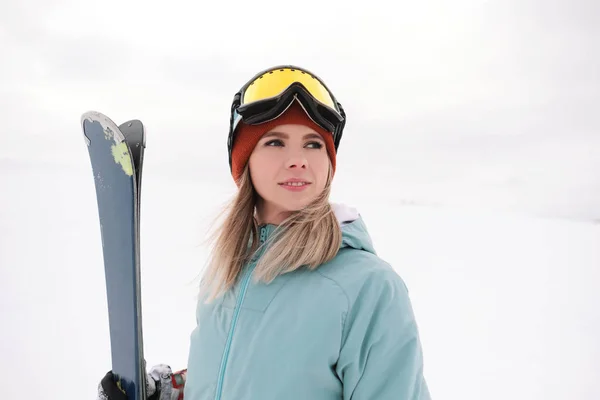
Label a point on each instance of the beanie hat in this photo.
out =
(248, 136)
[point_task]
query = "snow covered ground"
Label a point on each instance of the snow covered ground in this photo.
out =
(507, 304)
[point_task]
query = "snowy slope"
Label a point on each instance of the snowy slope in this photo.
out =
(507, 304)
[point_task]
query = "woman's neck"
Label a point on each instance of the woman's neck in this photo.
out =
(268, 214)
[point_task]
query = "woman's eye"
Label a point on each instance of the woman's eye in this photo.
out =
(278, 142)
(275, 142)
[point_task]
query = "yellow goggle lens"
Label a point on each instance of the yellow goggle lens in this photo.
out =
(274, 82)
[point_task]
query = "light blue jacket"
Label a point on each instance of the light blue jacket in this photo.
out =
(344, 331)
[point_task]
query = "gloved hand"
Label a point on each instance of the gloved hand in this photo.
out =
(161, 384)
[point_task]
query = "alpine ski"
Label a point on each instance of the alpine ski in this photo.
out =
(116, 154)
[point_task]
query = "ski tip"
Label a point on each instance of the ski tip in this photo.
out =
(92, 116)
(105, 122)
(137, 127)
(133, 125)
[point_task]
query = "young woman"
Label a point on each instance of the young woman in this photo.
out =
(295, 303)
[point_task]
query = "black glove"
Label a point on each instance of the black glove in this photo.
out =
(161, 384)
(109, 390)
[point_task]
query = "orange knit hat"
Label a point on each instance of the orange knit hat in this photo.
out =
(248, 136)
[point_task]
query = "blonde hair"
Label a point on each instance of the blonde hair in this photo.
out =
(309, 237)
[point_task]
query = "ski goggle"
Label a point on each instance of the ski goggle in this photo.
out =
(269, 93)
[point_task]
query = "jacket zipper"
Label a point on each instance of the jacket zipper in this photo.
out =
(236, 313)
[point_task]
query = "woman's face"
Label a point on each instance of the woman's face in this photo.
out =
(289, 168)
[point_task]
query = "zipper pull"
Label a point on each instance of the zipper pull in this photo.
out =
(262, 240)
(263, 234)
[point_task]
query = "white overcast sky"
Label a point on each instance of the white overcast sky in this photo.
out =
(469, 103)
